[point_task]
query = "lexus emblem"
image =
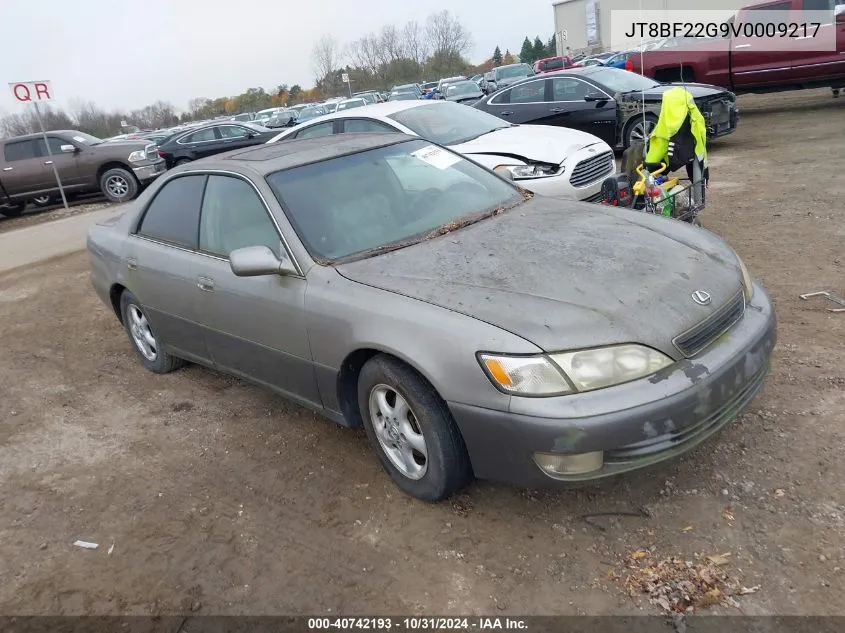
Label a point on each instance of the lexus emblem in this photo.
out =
(701, 297)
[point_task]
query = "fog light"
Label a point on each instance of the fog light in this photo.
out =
(557, 464)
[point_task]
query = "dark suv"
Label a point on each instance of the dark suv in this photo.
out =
(85, 164)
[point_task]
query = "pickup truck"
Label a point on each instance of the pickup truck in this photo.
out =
(85, 164)
(753, 65)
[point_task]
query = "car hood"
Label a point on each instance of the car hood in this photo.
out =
(546, 143)
(129, 144)
(656, 93)
(566, 275)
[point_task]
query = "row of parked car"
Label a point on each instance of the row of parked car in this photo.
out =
(555, 132)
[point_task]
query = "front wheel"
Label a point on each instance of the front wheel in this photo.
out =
(412, 430)
(639, 128)
(42, 201)
(119, 185)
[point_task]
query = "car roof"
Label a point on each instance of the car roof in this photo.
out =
(375, 110)
(267, 159)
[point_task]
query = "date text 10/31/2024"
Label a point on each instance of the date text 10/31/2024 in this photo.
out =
(417, 624)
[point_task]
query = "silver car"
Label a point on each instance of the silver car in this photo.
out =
(472, 328)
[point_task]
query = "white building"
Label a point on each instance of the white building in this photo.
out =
(585, 25)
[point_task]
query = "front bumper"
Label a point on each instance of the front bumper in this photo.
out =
(150, 172)
(637, 424)
(560, 186)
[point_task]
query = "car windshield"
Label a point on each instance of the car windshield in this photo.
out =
(406, 88)
(448, 123)
(402, 96)
(266, 113)
(617, 80)
(387, 198)
(461, 88)
(312, 111)
(254, 126)
(355, 103)
(521, 70)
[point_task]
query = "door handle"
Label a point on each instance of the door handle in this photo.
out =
(48, 162)
(8, 168)
(131, 263)
(508, 113)
(743, 46)
(557, 110)
(205, 284)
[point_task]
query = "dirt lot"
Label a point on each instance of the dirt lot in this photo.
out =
(221, 498)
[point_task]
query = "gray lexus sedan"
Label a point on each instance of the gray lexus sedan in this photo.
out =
(472, 328)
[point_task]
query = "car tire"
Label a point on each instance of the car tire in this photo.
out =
(420, 447)
(634, 129)
(182, 161)
(144, 342)
(12, 210)
(119, 185)
(43, 201)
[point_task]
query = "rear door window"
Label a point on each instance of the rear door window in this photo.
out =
(20, 150)
(173, 216)
(321, 129)
(355, 126)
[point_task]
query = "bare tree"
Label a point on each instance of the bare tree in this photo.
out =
(416, 43)
(365, 53)
(391, 44)
(324, 57)
(447, 36)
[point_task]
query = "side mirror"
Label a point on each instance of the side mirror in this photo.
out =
(252, 134)
(257, 261)
(68, 148)
(595, 96)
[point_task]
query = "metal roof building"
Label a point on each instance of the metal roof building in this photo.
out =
(585, 25)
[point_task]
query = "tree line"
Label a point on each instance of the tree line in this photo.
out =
(395, 54)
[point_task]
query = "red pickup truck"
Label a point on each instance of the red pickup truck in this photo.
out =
(743, 64)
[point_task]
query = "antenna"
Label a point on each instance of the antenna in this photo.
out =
(642, 93)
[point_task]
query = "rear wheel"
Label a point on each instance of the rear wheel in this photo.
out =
(412, 430)
(42, 201)
(119, 185)
(12, 210)
(147, 346)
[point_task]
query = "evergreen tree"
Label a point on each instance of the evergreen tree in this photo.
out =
(551, 47)
(497, 57)
(508, 58)
(539, 49)
(526, 54)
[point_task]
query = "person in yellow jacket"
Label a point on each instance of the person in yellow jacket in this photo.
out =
(680, 139)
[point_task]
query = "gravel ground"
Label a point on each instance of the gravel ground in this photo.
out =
(33, 215)
(220, 498)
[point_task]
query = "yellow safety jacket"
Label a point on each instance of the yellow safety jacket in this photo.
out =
(677, 104)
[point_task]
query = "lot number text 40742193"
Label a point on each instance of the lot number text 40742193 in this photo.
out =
(417, 624)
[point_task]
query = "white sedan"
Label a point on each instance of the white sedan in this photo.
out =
(550, 161)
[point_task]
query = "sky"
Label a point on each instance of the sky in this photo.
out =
(125, 54)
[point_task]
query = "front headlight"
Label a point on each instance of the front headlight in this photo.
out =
(138, 155)
(525, 172)
(747, 283)
(607, 366)
(571, 372)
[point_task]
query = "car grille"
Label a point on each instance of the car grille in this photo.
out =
(702, 335)
(591, 169)
(680, 439)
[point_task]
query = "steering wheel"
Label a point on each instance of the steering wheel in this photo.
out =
(470, 188)
(421, 205)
